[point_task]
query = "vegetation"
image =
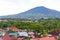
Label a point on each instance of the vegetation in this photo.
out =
(58, 38)
(42, 26)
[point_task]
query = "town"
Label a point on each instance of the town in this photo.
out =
(43, 29)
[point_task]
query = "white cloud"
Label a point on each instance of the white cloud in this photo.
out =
(8, 7)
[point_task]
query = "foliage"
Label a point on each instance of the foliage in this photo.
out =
(43, 26)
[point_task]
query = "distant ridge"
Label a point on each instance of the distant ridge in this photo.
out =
(36, 13)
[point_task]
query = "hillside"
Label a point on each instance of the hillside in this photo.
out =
(36, 13)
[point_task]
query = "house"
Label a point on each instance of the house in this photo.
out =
(13, 33)
(22, 33)
(45, 38)
(14, 38)
(31, 34)
(55, 33)
(2, 33)
(6, 37)
(14, 28)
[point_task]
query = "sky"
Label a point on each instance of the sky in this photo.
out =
(9, 7)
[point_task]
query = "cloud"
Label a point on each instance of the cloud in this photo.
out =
(8, 7)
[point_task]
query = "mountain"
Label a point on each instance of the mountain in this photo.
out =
(36, 13)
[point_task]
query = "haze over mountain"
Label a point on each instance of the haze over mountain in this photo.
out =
(36, 13)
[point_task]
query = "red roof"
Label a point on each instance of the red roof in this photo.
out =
(6, 37)
(14, 28)
(14, 38)
(34, 39)
(46, 38)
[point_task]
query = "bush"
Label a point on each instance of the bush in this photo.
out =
(58, 38)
